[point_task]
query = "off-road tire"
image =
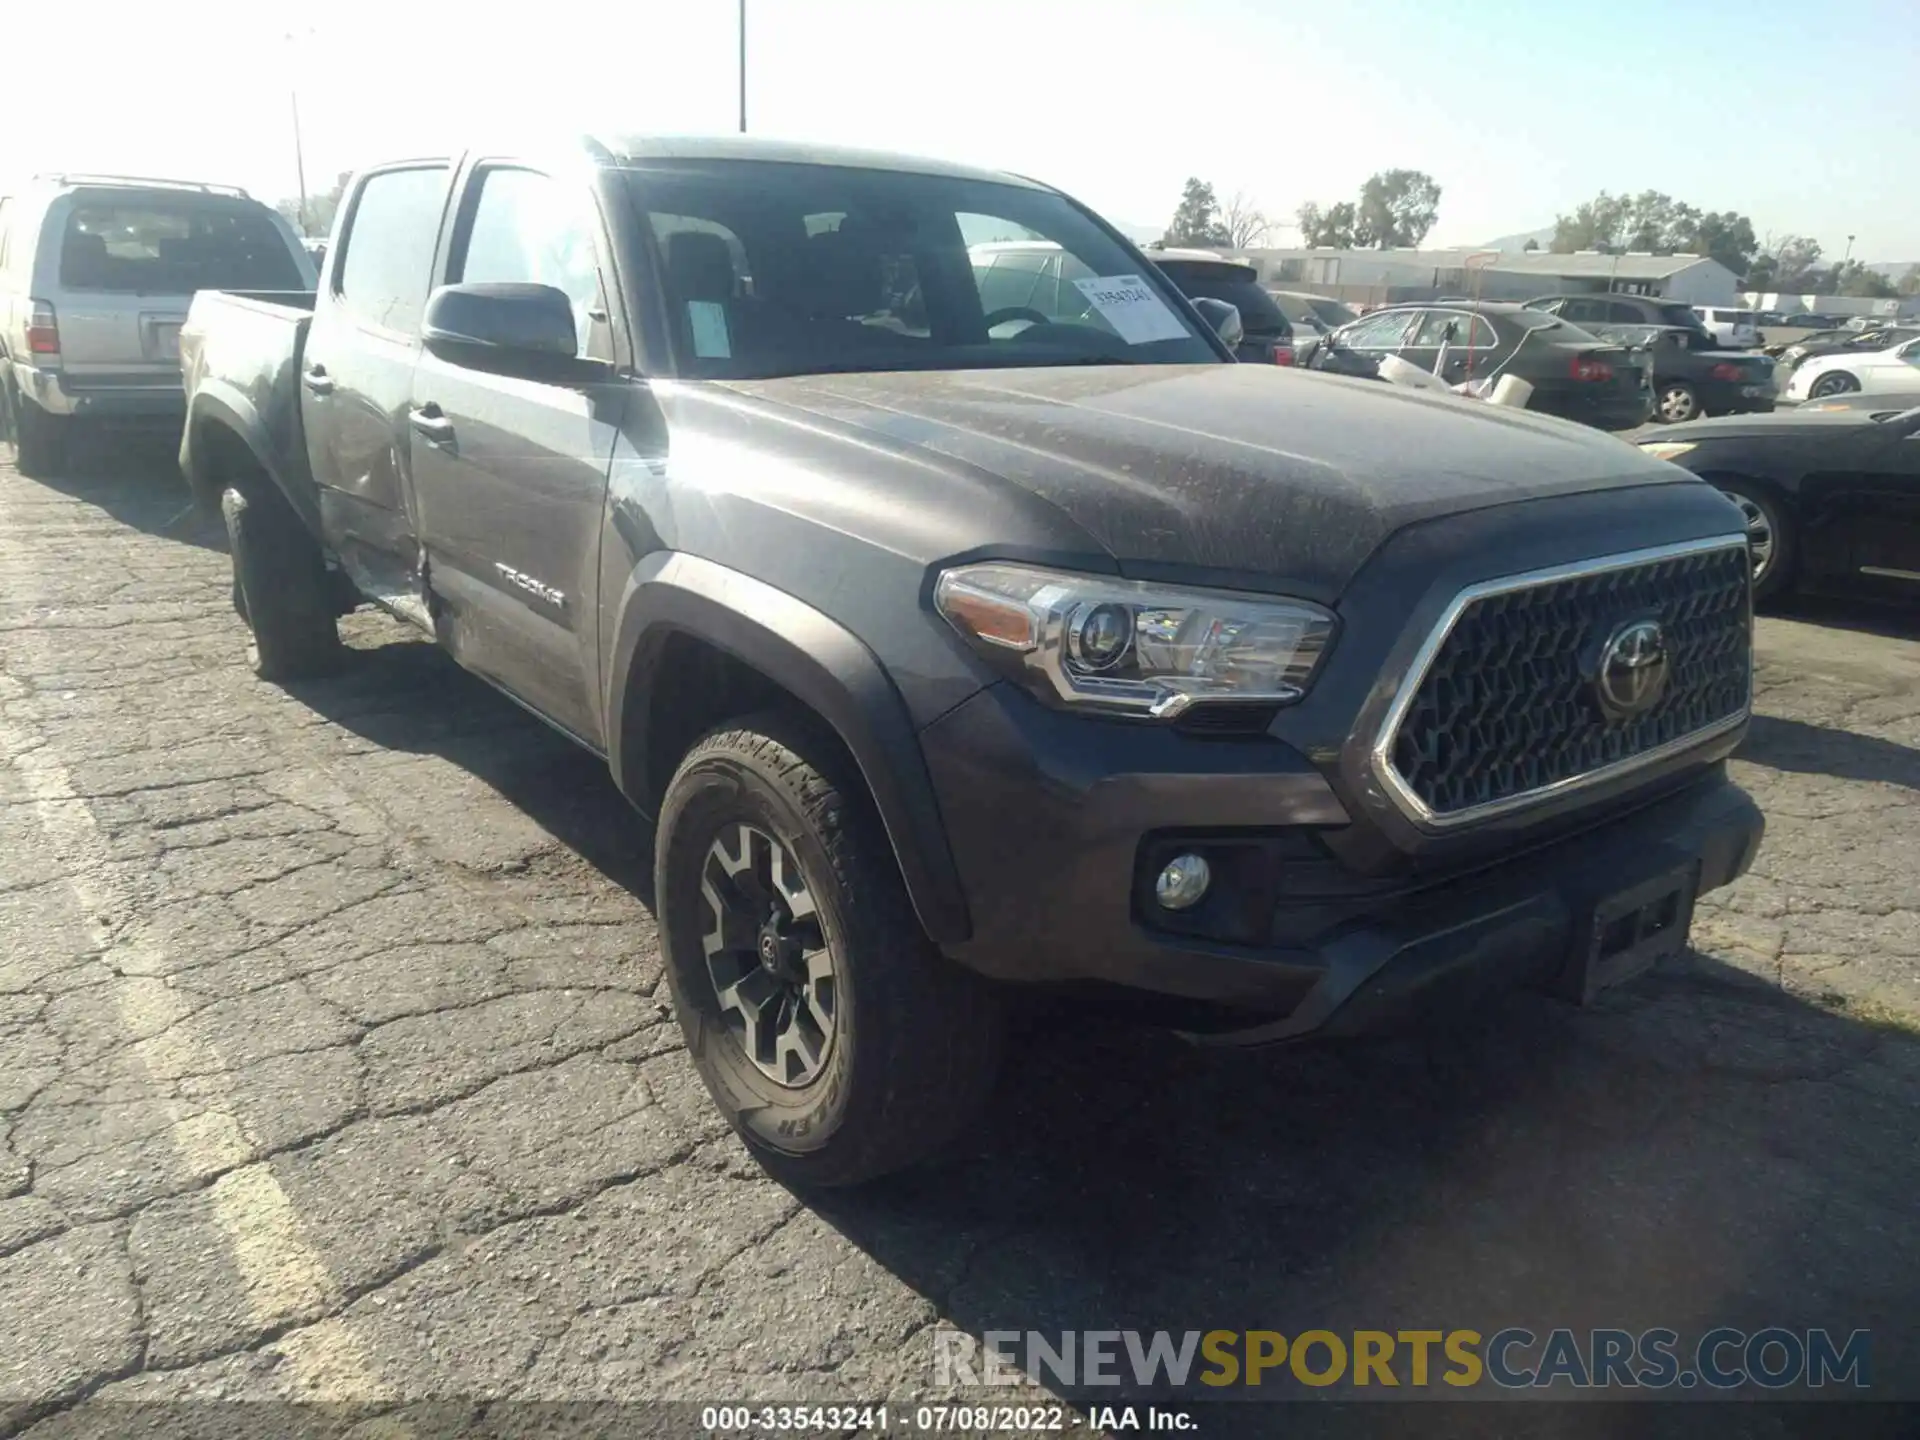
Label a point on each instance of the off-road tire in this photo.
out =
(918, 1039)
(280, 587)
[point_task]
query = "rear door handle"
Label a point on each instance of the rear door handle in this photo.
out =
(317, 380)
(431, 423)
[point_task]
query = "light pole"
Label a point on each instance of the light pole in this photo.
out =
(1845, 260)
(299, 150)
(743, 67)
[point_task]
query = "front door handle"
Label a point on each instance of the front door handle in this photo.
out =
(317, 380)
(430, 422)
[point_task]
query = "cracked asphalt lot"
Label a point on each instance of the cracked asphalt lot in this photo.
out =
(335, 1064)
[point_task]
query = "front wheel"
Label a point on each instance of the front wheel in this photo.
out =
(1676, 402)
(1770, 538)
(1837, 382)
(837, 1040)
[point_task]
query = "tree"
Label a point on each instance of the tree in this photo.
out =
(1246, 226)
(1854, 278)
(1658, 224)
(1789, 267)
(1909, 283)
(319, 209)
(1197, 220)
(1334, 226)
(1397, 207)
(1531, 246)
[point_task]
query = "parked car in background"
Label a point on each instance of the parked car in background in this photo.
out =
(1267, 336)
(1832, 499)
(1843, 342)
(1592, 311)
(1693, 376)
(1816, 321)
(96, 272)
(1735, 329)
(1869, 371)
(1312, 316)
(945, 658)
(1574, 375)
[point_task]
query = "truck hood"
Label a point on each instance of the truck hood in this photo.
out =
(1238, 469)
(1775, 425)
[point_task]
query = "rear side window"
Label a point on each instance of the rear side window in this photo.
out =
(384, 271)
(1679, 315)
(173, 245)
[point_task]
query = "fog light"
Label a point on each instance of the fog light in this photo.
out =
(1183, 884)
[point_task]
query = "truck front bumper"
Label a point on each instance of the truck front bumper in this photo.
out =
(1059, 825)
(61, 394)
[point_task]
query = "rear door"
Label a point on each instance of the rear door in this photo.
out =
(127, 263)
(357, 376)
(510, 474)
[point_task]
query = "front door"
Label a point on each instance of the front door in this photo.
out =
(510, 475)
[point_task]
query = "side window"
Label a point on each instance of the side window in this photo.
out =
(1377, 332)
(387, 263)
(1468, 330)
(1620, 313)
(1584, 312)
(529, 228)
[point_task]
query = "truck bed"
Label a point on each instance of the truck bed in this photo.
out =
(240, 355)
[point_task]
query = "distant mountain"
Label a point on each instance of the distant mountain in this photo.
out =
(1892, 269)
(1514, 244)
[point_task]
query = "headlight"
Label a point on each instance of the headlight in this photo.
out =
(1668, 449)
(1127, 647)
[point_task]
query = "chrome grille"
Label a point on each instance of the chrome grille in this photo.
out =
(1500, 709)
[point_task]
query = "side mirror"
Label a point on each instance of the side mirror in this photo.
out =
(1224, 318)
(508, 328)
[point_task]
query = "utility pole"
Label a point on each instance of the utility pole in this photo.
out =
(743, 67)
(299, 150)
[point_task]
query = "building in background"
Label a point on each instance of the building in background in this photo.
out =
(1377, 277)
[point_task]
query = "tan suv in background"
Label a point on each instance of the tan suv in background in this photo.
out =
(96, 272)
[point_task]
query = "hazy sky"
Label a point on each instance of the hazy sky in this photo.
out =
(1520, 109)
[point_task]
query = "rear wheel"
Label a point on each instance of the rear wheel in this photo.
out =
(1675, 402)
(39, 438)
(1834, 382)
(280, 587)
(837, 1040)
(1770, 537)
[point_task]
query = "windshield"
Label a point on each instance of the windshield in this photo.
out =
(781, 269)
(174, 245)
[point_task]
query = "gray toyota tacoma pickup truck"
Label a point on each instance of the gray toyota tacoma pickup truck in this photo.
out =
(950, 649)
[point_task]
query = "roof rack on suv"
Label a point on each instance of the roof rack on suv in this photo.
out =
(65, 178)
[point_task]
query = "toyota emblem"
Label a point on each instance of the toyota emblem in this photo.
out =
(1633, 669)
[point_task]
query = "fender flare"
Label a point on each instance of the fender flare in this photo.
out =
(220, 403)
(821, 664)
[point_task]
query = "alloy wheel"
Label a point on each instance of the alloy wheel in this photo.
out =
(1837, 383)
(1677, 403)
(1760, 539)
(772, 968)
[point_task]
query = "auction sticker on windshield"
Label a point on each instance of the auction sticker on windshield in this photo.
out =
(1137, 315)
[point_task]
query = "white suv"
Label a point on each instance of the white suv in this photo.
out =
(96, 272)
(1736, 329)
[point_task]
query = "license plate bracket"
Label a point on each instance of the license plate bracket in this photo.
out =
(1630, 930)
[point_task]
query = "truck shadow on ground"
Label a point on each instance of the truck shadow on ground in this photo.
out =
(133, 474)
(1801, 747)
(1700, 1149)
